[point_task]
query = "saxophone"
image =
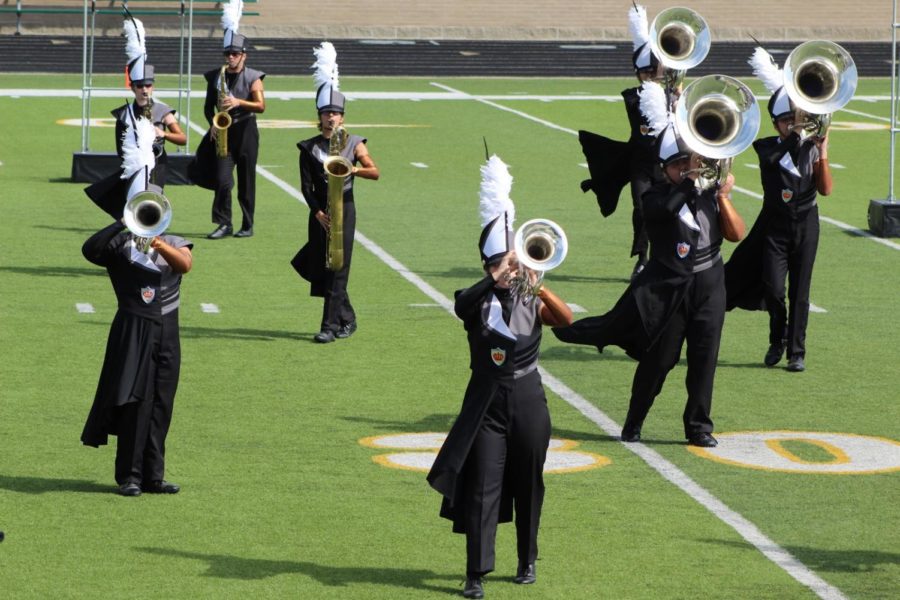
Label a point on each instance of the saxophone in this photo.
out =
(221, 121)
(337, 168)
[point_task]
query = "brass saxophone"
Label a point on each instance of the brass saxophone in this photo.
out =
(221, 121)
(337, 168)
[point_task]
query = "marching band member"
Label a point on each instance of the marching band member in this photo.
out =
(614, 164)
(783, 241)
(680, 295)
(338, 316)
(492, 460)
(241, 95)
(644, 168)
(139, 378)
(110, 193)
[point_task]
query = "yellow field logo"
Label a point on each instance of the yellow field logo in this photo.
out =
(418, 451)
(805, 452)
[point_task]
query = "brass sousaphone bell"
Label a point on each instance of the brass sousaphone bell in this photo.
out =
(819, 77)
(680, 39)
(717, 116)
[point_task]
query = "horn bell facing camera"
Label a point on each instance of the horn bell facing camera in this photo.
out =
(680, 38)
(820, 78)
(717, 116)
(540, 246)
(147, 214)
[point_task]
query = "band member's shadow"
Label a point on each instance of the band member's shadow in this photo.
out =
(54, 271)
(473, 273)
(237, 333)
(43, 485)
(86, 231)
(582, 353)
(437, 422)
(583, 436)
(832, 561)
(749, 365)
(226, 566)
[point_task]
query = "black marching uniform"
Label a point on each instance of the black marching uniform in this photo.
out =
(217, 174)
(310, 260)
(678, 297)
(782, 243)
(493, 457)
(110, 193)
(139, 378)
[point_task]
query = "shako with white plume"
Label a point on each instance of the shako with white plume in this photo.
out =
(767, 71)
(136, 70)
(497, 211)
(642, 57)
(231, 18)
(325, 76)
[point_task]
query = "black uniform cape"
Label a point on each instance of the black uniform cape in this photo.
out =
(743, 271)
(487, 381)
(609, 163)
(643, 311)
(126, 376)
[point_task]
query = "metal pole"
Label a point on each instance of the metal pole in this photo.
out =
(84, 68)
(893, 103)
(187, 115)
(184, 148)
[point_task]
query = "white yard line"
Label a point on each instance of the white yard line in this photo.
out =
(746, 529)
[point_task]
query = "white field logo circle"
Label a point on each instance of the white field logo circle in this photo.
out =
(420, 449)
(837, 453)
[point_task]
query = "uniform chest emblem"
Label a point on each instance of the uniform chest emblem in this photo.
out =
(148, 294)
(682, 249)
(645, 129)
(498, 355)
(787, 194)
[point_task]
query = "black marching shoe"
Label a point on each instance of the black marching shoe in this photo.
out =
(346, 331)
(323, 337)
(773, 355)
(244, 233)
(474, 588)
(220, 232)
(129, 488)
(525, 574)
(796, 364)
(630, 433)
(161, 487)
(703, 440)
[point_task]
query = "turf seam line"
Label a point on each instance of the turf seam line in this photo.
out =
(746, 529)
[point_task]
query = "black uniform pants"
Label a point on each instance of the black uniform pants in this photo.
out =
(337, 310)
(509, 449)
(143, 425)
(698, 320)
(789, 251)
(243, 150)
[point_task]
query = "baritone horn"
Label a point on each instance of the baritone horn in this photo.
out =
(337, 169)
(680, 39)
(819, 77)
(540, 246)
(717, 116)
(147, 214)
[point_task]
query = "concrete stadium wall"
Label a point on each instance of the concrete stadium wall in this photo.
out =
(766, 20)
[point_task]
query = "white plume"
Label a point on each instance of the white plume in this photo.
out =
(766, 70)
(496, 183)
(326, 65)
(138, 153)
(135, 46)
(637, 25)
(231, 14)
(654, 107)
